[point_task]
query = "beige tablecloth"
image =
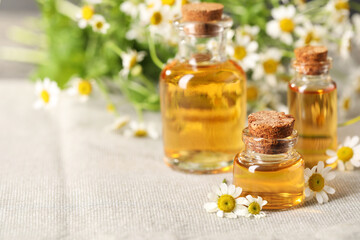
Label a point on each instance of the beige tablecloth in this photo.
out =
(63, 177)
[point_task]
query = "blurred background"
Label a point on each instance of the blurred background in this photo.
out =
(14, 12)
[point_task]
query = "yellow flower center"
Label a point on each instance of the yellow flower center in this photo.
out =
(183, 2)
(251, 93)
(239, 52)
(270, 66)
(226, 203)
(132, 62)
(346, 103)
(254, 208)
(342, 5)
(99, 25)
(287, 25)
(110, 107)
(156, 18)
(316, 182)
(345, 153)
(45, 96)
(84, 87)
(310, 37)
(140, 133)
(87, 12)
(168, 2)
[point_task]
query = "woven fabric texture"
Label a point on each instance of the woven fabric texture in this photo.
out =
(63, 177)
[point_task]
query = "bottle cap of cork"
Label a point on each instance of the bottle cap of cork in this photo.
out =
(270, 124)
(311, 54)
(311, 60)
(270, 132)
(202, 12)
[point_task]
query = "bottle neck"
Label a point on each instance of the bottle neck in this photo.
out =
(202, 50)
(321, 77)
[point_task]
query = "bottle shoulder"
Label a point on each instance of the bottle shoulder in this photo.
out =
(222, 71)
(312, 84)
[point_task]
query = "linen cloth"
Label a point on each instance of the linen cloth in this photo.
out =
(63, 177)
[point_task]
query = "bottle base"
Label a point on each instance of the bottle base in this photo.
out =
(201, 162)
(279, 201)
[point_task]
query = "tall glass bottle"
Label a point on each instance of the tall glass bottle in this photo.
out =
(312, 100)
(203, 95)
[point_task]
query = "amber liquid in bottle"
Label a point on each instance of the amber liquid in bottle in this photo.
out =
(203, 113)
(315, 111)
(281, 184)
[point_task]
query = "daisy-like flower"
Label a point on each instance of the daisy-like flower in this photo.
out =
(269, 65)
(157, 16)
(243, 50)
(251, 206)
(118, 124)
(47, 92)
(310, 34)
(347, 155)
(284, 23)
(223, 201)
(99, 24)
(130, 59)
(130, 8)
(315, 182)
(339, 11)
(85, 15)
(247, 30)
(81, 88)
(141, 129)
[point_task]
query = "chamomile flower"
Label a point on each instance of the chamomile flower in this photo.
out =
(99, 24)
(85, 15)
(223, 201)
(118, 124)
(284, 23)
(310, 34)
(130, 8)
(347, 155)
(47, 92)
(247, 30)
(243, 50)
(269, 65)
(339, 11)
(251, 206)
(130, 60)
(141, 130)
(157, 16)
(81, 88)
(315, 182)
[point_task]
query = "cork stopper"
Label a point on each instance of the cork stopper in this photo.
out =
(311, 60)
(202, 12)
(267, 131)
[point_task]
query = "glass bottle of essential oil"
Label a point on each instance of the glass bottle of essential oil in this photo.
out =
(203, 95)
(312, 100)
(269, 166)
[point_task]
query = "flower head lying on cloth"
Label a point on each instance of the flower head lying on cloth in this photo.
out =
(316, 180)
(47, 92)
(347, 155)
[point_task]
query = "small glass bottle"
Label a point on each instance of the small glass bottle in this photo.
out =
(203, 95)
(270, 168)
(312, 100)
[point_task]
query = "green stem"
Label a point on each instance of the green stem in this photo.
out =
(147, 82)
(152, 50)
(139, 113)
(104, 91)
(115, 48)
(351, 121)
(67, 8)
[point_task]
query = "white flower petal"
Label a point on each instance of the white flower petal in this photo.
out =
(231, 189)
(220, 213)
(349, 166)
(331, 160)
(241, 211)
(307, 192)
(320, 166)
(212, 197)
(319, 198)
(216, 190)
(237, 192)
(224, 188)
(330, 176)
(353, 141)
(230, 215)
(341, 165)
(329, 190)
(211, 207)
(242, 201)
(330, 152)
(324, 196)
